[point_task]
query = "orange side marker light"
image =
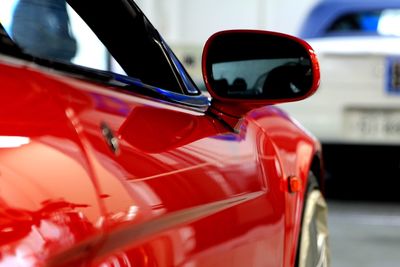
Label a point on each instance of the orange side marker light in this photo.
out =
(295, 184)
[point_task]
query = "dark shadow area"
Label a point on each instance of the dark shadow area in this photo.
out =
(362, 173)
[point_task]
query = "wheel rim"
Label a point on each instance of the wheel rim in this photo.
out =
(314, 245)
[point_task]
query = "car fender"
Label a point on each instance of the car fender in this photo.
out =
(296, 150)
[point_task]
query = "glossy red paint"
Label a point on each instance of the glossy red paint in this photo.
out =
(49, 198)
(160, 189)
(224, 105)
(198, 194)
(163, 200)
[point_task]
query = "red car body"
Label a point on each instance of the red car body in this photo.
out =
(180, 187)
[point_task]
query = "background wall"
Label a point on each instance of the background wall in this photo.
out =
(192, 21)
(186, 24)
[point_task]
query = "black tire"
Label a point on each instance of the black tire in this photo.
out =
(313, 249)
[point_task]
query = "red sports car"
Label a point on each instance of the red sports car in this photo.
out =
(111, 156)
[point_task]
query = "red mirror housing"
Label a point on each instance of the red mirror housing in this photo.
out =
(247, 69)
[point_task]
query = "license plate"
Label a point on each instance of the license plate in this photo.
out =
(393, 75)
(370, 124)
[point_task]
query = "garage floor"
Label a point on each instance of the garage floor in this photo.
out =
(364, 234)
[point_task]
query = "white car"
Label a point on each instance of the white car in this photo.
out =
(358, 47)
(356, 111)
(359, 97)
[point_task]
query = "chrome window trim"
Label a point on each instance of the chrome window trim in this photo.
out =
(199, 102)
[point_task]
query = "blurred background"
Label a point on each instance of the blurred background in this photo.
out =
(187, 24)
(355, 113)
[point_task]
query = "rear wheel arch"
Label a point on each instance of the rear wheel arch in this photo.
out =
(317, 170)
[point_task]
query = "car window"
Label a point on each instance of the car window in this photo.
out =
(52, 29)
(380, 22)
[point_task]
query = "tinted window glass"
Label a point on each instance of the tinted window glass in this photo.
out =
(52, 29)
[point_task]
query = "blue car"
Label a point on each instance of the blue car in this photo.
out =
(348, 18)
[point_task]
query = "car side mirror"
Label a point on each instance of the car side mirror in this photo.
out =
(258, 68)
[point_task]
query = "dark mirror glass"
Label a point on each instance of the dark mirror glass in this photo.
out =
(256, 65)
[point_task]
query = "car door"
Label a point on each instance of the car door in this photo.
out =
(181, 187)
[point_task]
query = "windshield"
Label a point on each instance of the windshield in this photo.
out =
(380, 22)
